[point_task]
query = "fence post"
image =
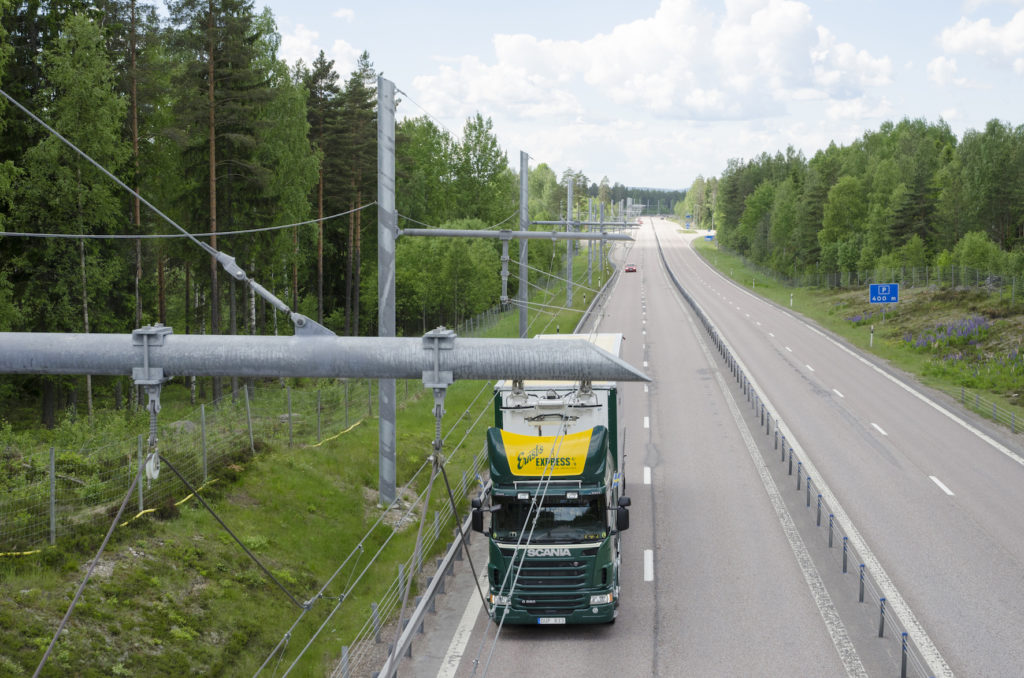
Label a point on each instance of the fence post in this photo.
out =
(288, 393)
(53, 497)
(248, 422)
(202, 434)
(140, 478)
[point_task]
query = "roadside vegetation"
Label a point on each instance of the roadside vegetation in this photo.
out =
(950, 338)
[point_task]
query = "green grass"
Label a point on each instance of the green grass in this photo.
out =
(912, 334)
(174, 594)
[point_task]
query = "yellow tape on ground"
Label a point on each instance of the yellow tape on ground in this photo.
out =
(177, 503)
(20, 553)
(339, 434)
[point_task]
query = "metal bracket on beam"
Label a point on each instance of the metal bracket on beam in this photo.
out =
(153, 379)
(437, 340)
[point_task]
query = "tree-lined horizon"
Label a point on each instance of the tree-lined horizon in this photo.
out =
(908, 195)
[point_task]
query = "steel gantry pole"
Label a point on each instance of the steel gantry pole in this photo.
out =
(387, 228)
(568, 248)
(524, 225)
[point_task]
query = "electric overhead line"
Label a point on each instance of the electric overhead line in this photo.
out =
(301, 322)
(159, 236)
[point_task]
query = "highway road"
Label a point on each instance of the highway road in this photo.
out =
(725, 572)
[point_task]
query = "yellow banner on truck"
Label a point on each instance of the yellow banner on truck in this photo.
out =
(534, 456)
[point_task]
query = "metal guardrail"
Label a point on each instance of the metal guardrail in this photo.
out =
(869, 590)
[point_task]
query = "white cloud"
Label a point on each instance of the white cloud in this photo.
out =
(860, 108)
(348, 15)
(843, 70)
(943, 71)
(299, 44)
(1003, 44)
(345, 57)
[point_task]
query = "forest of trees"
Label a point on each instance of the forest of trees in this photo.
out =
(907, 195)
(192, 107)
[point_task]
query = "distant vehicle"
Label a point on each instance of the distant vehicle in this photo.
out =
(630, 268)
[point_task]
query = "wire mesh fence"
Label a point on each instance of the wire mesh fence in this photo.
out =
(54, 493)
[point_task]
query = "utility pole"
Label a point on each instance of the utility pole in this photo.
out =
(568, 247)
(387, 227)
(524, 225)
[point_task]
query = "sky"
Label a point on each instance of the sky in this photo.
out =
(653, 93)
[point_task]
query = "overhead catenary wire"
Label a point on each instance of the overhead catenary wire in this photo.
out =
(164, 236)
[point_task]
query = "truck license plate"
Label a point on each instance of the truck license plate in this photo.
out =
(551, 620)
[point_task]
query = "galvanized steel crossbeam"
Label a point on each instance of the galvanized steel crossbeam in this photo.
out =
(511, 235)
(317, 356)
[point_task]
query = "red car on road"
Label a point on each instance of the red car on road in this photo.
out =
(630, 268)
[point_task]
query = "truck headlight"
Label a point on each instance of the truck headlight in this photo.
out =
(602, 599)
(500, 600)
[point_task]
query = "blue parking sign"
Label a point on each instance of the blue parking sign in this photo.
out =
(884, 294)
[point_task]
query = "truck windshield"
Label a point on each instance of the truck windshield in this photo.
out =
(558, 520)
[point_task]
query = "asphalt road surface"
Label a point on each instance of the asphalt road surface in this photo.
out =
(725, 573)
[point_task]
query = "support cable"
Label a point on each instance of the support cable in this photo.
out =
(233, 536)
(302, 323)
(88, 574)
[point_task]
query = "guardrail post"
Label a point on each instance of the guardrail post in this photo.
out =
(344, 661)
(762, 413)
(458, 536)
(202, 434)
(799, 470)
(418, 600)
(819, 505)
(776, 436)
(790, 461)
(903, 655)
(845, 540)
(881, 617)
(53, 496)
(443, 575)
(809, 495)
(831, 518)
(861, 600)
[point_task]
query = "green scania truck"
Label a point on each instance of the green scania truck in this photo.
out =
(557, 508)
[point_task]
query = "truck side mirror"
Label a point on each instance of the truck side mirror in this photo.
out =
(622, 518)
(477, 516)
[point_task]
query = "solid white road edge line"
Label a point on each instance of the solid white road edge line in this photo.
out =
(942, 486)
(826, 608)
(648, 565)
(879, 429)
(452, 658)
(836, 391)
(931, 655)
(810, 368)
